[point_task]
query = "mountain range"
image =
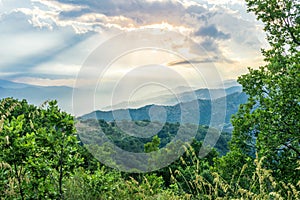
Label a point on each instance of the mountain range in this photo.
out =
(161, 106)
(185, 95)
(209, 109)
(37, 94)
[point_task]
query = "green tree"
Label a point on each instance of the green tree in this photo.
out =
(40, 145)
(268, 124)
(153, 145)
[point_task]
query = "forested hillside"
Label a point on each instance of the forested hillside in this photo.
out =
(136, 144)
(206, 107)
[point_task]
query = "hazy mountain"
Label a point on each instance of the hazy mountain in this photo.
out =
(180, 97)
(229, 83)
(12, 85)
(174, 113)
(37, 94)
(171, 104)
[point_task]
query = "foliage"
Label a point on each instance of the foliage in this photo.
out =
(39, 146)
(100, 184)
(109, 184)
(252, 181)
(269, 123)
(34, 146)
(153, 145)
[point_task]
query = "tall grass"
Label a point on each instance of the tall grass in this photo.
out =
(262, 184)
(108, 184)
(191, 181)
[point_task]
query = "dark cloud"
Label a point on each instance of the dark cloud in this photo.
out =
(196, 9)
(210, 45)
(200, 12)
(188, 62)
(197, 61)
(117, 7)
(213, 32)
(140, 11)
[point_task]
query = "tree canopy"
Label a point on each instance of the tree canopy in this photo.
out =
(268, 124)
(39, 145)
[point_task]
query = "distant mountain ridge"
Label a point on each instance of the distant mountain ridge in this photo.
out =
(37, 94)
(173, 113)
(185, 96)
(140, 111)
(12, 85)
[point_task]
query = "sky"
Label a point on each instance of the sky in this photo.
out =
(166, 43)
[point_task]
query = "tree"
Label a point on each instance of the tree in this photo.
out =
(153, 145)
(39, 145)
(268, 124)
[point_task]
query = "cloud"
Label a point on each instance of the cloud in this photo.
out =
(46, 42)
(188, 17)
(98, 16)
(210, 45)
(44, 81)
(41, 37)
(189, 62)
(213, 32)
(7, 6)
(24, 47)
